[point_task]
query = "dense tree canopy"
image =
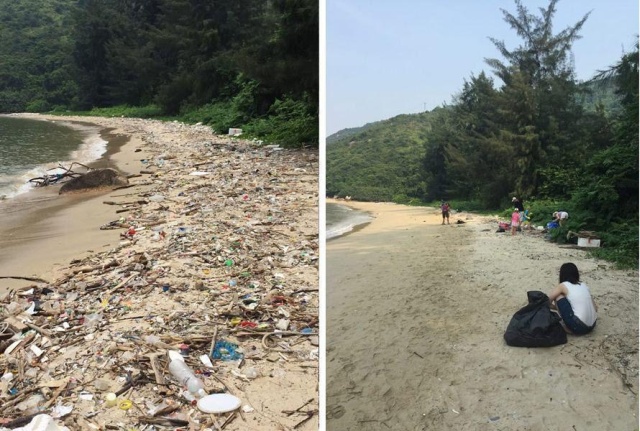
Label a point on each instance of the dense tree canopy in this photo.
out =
(250, 64)
(380, 161)
(534, 132)
(36, 71)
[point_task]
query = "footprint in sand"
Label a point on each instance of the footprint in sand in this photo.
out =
(335, 412)
(348, 368)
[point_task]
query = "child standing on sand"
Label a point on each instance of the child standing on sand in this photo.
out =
(515, 221)
(445, 211)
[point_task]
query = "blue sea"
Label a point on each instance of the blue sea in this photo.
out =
(31, 148)
(340, 219)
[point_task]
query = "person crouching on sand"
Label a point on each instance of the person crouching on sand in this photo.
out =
(515, 221)
(573, 301)
(560, 217)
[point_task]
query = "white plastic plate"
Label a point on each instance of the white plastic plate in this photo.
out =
(218, 403)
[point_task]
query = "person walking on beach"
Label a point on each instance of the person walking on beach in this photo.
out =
(573, 301)
(515, 221)
(445, 211)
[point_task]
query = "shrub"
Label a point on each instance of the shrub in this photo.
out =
(219, 115)
(406, 200)
(289, 123)
(620, 245)
(37, 106)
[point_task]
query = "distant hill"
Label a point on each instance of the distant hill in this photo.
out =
(346, 133)
(600, 92)
(382, 161)
(379, 161)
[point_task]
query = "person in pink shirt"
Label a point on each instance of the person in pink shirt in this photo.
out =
(445, 211)
(515, 221)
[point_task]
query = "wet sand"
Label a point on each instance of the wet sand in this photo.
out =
(416, 313)
(42, 230)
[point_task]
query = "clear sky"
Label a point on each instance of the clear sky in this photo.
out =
(391, 57)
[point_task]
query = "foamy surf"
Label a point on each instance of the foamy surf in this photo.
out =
(91, 149)
(345, 220)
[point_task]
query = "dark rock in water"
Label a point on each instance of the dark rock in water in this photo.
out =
(95, 179)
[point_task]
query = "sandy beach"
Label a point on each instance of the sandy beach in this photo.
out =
(416, 313)
(42, 231)
(230, 253)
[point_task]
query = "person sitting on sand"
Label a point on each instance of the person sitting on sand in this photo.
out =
(573, 301)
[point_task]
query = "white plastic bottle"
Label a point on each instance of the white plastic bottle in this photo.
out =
(181, 371)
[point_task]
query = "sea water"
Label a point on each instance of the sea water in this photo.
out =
(33, 148)
(341, 219)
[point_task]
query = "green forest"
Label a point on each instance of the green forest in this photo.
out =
(525, 128)
(249, 64)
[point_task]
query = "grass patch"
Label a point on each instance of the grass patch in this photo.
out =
(124, 111)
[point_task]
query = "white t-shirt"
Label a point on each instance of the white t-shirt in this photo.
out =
(580, 299)
(562, 215)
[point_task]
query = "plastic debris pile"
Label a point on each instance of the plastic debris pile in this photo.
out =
(217, 263)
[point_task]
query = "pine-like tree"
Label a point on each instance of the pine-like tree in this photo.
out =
(539, 106)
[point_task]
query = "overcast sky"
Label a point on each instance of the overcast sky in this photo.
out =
(391, 57)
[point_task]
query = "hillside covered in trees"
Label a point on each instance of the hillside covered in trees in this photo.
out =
(528, 129)
(250, 64)
(382, 161)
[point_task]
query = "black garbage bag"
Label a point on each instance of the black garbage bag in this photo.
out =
(535, 325)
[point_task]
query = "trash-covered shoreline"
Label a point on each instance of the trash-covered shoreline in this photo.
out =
(217, 263)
